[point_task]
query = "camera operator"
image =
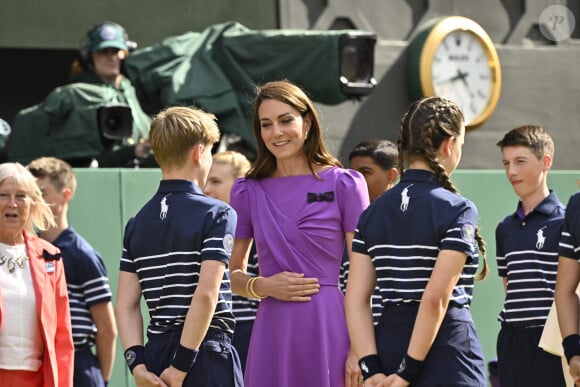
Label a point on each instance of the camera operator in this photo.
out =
(99, 62)
(95, 121)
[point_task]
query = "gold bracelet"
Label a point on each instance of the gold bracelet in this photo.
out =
(248, 286)
(251, 292)
(251, 287)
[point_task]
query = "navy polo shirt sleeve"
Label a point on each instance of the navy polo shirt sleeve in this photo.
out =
(500, 252)
(569, 246)
(353, 197)
(127, 263)
(95, 282)
(359, 243)
(460, 234)
(240, 201)
(220, 235)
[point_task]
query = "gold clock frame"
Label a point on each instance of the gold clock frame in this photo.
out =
(434, 38)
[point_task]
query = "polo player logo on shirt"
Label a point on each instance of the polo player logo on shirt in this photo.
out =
(402, 366)
(364, 367)
(164, 208)
(541, 238)
(405, 198)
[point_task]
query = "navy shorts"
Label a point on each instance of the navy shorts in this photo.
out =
(87, 371)
(522, 363)
(455, 358)
(242, 335)
(217, 363)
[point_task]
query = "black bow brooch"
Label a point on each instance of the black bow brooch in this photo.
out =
(51, 257)
(322, 197)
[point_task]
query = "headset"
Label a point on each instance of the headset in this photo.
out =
(85, 52)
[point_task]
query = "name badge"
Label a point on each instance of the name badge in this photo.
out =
(49, 267)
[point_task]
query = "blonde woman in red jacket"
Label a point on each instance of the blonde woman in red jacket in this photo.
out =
(36, 347)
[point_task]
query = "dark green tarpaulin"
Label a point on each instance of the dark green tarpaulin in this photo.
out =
(65, 124)
(218, 68)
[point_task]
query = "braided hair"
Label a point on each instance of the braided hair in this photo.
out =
(425, 125)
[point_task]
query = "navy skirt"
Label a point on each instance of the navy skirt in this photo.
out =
(455, 359)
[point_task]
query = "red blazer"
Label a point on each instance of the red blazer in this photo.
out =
(53, 311)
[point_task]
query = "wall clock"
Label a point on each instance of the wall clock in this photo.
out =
(454, 58)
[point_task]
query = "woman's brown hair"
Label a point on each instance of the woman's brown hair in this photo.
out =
(314, 148)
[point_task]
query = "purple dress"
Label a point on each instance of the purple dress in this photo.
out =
(300, 343)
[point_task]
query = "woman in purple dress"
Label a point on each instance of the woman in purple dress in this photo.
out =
(301, 207)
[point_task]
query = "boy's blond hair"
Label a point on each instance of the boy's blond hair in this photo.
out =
(239, 163)
(175, 130)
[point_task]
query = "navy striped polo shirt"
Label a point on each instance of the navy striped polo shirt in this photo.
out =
(245, 308)
(527, 254)
(376, 301)
(165, 244)
(86, 281)
(403, 231)
(570, 241)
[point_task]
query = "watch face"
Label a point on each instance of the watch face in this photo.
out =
(461, 73)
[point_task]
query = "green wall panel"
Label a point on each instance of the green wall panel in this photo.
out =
(107, 198)
(104, 201)
(51, 24)
(495, 199)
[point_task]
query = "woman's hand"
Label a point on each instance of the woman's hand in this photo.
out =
(287, 286)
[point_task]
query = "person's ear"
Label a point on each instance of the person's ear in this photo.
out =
(67, 194)
(547, 160)
(393, 175)
(446, 147)
(307, 124)
(197, 153)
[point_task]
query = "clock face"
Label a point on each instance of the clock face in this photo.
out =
(460, 72)
(455, 58)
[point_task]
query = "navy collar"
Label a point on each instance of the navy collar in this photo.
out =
(172, 186)
(546, 206)
(420, 175)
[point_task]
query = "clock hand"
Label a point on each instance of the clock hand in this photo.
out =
(460, 76)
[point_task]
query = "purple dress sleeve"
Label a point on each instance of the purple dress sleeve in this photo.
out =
(240, 201)
(353, 198)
